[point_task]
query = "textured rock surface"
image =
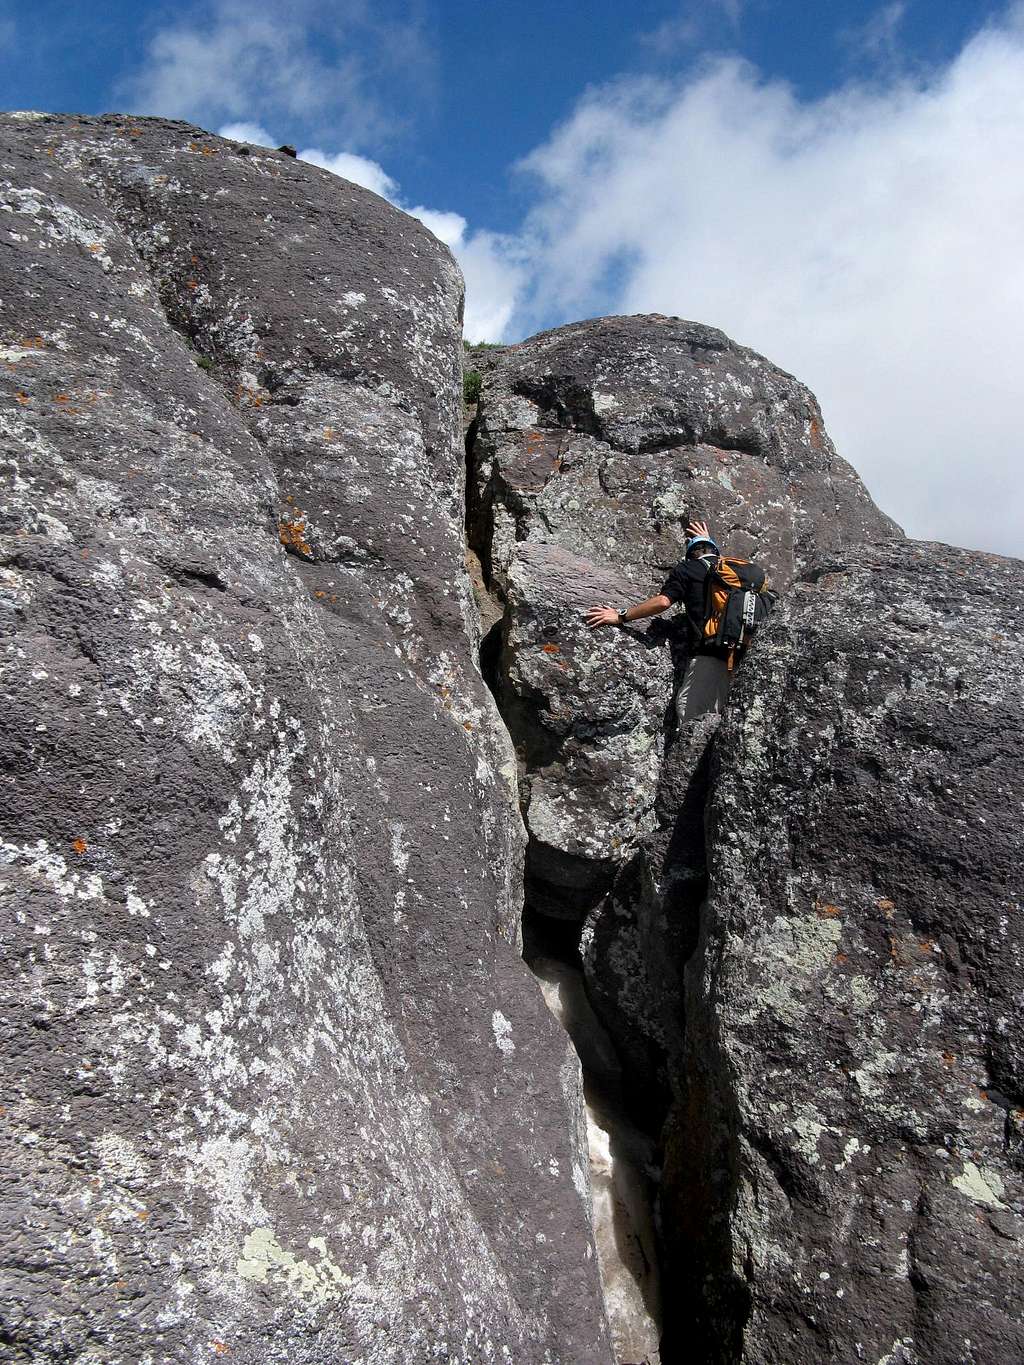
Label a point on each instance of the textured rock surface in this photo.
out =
(276, 1081)
(592, 447)
(847, 1163)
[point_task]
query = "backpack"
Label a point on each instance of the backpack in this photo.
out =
(737, 599)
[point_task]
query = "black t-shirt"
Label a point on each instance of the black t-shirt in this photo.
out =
(687, 585)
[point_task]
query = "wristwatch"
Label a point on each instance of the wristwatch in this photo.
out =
(622, 617)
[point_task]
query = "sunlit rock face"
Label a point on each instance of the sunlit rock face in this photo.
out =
(592, 447)
(846, 1160)
(277, 1085)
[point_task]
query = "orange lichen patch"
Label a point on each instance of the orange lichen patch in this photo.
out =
(191, 284)
(467, 725)
(142, 1214)
(328, 433)
(841, 958)
(79, 845)
(927, 945)
(95, 246)
(203, 151)
(814, 433)
(22, 398)
(948, 1058)
(550, 648)
(886, 906)
(828, 911)
(292, 535)
(219, 1348)
(33, 344)
(251, 398)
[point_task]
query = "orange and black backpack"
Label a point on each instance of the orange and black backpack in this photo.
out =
(736, 600)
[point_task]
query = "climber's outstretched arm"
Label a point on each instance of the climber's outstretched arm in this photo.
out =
(611, 616)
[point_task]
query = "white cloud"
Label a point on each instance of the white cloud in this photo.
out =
(693, 21)
(359, 169)
(875, 40)
(318, 65)
(449, 228)
(496, 273)
(869, 242)
(247, 132)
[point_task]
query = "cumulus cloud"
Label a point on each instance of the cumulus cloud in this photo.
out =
(248, 132)
(319, 64)
(359, 169)
(496, 271)
(868, 241)
(691, 22)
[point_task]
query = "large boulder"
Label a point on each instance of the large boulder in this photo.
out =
(276, 1081)
(591, 448)
(845, 1165)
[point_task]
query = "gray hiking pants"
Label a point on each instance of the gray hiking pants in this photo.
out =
(704, 688)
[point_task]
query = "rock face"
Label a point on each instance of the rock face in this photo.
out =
(847, 1159)
(592, 447)
(277, 1084)
(802, 928)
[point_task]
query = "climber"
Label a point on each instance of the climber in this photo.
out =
(713, 636)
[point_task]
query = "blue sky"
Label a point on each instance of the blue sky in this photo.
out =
(839, 185)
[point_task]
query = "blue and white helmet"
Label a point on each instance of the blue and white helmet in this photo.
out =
(700, 540)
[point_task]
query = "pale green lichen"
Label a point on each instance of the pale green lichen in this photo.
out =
(984, 1187)
(262, 1254)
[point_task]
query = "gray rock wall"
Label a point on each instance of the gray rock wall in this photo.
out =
(847, 1158)
(277, 1084)
(592, 447)
(814, 994)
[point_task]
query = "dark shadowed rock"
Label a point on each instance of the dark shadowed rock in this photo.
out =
(276, 1083)
(845, 1172)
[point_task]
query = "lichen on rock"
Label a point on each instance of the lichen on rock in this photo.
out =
(261, 847)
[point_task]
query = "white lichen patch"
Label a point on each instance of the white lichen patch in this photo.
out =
(263, 1256)
(984, 1186)
(502, 1029)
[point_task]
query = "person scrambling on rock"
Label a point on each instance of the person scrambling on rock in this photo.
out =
(722, 599)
